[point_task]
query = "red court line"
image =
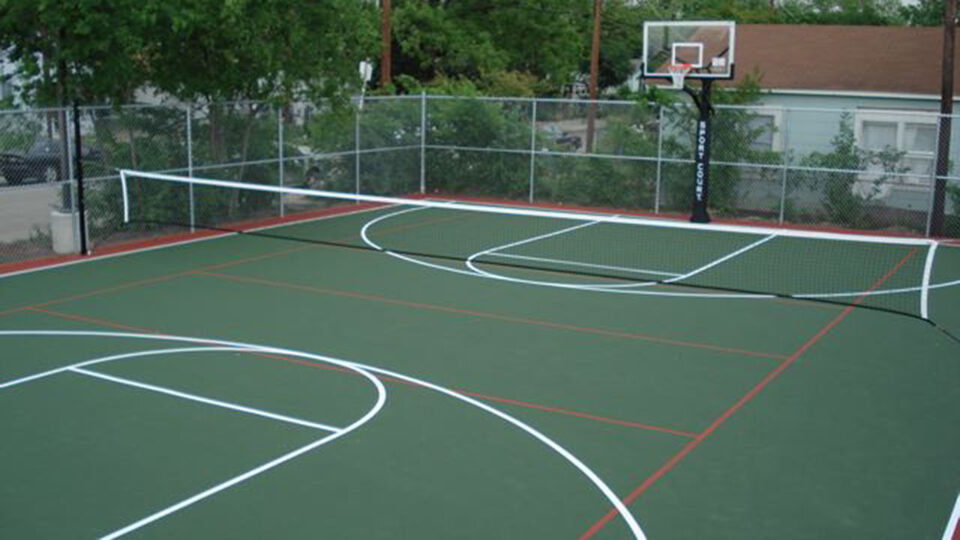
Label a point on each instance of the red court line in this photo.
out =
(488, 315)
(175, 238)
(235, 262)
(524, 404)
(157, 279)
(953, 523)
(767, 379)
(91, 320)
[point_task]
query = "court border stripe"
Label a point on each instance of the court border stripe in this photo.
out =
(518, 403)
(766, 380)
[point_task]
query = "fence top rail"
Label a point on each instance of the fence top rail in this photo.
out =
(502, 99)
(537, 99)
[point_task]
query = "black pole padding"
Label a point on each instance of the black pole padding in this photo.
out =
(701, 177)
(78, 172)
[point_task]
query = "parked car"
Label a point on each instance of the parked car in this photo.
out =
(562, 138)
(40, 163)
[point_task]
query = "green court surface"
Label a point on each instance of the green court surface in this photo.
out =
(252, 387)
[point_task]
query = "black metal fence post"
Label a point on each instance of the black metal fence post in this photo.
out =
(78, 172)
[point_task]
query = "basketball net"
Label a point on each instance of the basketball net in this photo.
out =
(678, 72)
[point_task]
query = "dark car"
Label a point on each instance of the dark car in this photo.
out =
(41, 163)
(562, 138)
(569, 140)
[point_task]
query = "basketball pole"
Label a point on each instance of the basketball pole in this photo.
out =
(946, 122)
(701, 184)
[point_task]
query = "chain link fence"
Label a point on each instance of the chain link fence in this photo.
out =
(863, 169)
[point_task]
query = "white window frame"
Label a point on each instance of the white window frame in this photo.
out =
(901, 119)
(776, 143)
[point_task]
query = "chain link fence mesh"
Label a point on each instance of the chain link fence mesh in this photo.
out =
(841, 169)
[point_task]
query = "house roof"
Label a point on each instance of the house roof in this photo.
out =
(895, 59)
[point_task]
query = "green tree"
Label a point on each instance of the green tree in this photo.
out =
(923, 13)
(431, 41)
(244, 49)
(854, 12)
(846, 190)
(621, 41)
(74, 49)
(483, 39)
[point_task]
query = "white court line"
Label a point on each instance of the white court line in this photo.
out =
(535, 238)
(600, 288)
(582, 467)
(205, 400)
(224, 485)
(952, 523)
(471, 259)
(527, 212)
(634, 291)
(722, 260)
(925, 283)
(583, 264)
(381, 399)
(610, 288)
(880, 292)
(378, 247)
(95, 361)
(363, 370)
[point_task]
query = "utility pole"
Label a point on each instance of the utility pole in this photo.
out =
(385, 68)
(946, 109)
(594, 69)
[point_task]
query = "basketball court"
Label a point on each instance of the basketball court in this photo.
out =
(438, 367)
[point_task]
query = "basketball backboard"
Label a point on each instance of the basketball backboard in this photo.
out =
(707, 46)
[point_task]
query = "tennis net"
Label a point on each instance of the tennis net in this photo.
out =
(570, 249)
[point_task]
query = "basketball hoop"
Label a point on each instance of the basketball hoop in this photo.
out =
(678, 73)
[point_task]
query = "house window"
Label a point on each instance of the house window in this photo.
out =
(912, 134)
(764, 126)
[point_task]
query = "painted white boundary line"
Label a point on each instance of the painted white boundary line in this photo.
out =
(722, 260)
(880, 292)
(205, 400)
(925, 284)
(226, 346)
(95, 257)
(535, 238)
(363, 370)
(602, 287)
(583, 264)
(105, 359)
(366, 239)
(952, 523)
(485, 275)
(471, 261)
(597, 481)
(612, 289)
(526, 212)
